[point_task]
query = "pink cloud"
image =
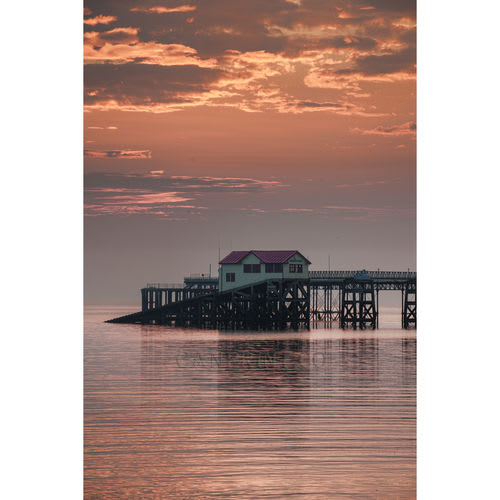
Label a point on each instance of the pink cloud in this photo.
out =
(408, 128)
(261, 57)
(161, 195)
(368, 183)
(92, 21)
(118, 153)
(122, 46)
(369, 213)
(164, 10)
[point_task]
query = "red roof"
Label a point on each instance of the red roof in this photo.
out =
(265, 256)
(234, 257)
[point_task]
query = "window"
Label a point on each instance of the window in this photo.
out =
(274, 268)
(295, 268)
(251, 268)
(230, 277)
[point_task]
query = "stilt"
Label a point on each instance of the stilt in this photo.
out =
(358, 308)
(410, 305)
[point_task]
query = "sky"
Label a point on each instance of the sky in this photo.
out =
(238, 125)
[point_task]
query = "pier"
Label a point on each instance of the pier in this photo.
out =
(347, 298)
(351, 298)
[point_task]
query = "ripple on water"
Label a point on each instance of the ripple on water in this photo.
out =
(197, 414)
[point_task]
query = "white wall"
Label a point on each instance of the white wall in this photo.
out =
(242, 278)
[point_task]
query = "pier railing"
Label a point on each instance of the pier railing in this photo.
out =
(398, 275)
(201, 277)
(165, 285)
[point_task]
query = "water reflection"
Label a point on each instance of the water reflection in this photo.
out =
(409, 361)
(172, 414)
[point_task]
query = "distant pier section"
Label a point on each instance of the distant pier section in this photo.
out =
(275, 290)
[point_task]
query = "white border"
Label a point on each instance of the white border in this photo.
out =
(457, 236)
(457, 250)
(42, 369)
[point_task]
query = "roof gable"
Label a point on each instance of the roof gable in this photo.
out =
(265, 256)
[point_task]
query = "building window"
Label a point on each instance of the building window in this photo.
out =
(274, 268)
(230, 277)
(251, 268)
(295, 268)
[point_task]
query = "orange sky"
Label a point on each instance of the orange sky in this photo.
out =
(240, 117)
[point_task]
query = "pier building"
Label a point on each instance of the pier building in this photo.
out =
(243, 267)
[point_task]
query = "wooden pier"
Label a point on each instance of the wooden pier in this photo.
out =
(349, 298)
(264, 305)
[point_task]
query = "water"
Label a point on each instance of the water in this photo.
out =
(189, 414)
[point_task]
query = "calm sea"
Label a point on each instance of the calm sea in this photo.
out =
(195, 414)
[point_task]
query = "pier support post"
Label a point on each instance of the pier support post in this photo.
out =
(410, 305)
(358, 307)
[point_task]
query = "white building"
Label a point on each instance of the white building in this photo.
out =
(242, 267)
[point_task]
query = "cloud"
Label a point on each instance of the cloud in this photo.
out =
(97, 39)
(370, 69)
(145, 53)
(367, 183)
(239, 84)
(258, 56)
(158, 181)
(316, 105)
(111, 127)
(402, 61)
(349, 212)
(345, 212)
(128, 86)
(162, 195)
(121, 46)
(341, 108)
(92, 21)
(118, 154)
(164, 10)
(408, 128)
